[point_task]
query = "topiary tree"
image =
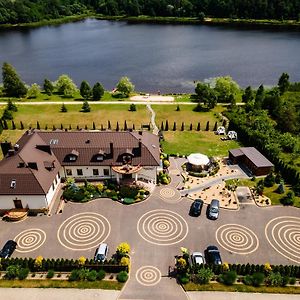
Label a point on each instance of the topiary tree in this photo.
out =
(122, 276)
(98, 91)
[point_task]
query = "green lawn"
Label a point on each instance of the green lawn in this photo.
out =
(186, 115)
(270, 192)
(242, 288)
(100, 114)
(206, 142)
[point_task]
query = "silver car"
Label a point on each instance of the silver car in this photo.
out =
(197, 258)
(214, 209)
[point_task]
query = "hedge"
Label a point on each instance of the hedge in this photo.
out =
(61, 265)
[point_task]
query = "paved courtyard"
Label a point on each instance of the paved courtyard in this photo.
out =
(156, 229)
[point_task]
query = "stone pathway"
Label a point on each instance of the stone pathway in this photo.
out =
(155, 128)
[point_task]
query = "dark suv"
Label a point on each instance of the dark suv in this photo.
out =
(213, 256)
(8, 249)
(196, 207)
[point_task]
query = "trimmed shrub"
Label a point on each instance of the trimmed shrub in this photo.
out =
(292, 280)
(183, 278)
(74, 276)
(122, 276)
(12, 272)
(228, 278)
(101, 274)
(128, 200)
(204, 276)
(247, 280)
(285, 280)
(50, 274)
(257, 279)
(92, 275)
(274, 279)
(23, 273)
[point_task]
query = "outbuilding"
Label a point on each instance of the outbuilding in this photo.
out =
(251, 158)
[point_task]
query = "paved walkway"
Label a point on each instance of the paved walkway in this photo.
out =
(57, 294)
(239, 296)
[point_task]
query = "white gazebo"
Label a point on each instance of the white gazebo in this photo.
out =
(198, 161)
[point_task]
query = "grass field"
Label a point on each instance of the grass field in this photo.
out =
(186, 115)
(100, 114)
(242, 288)
(105, 285)
(206, 142)
(270, 192)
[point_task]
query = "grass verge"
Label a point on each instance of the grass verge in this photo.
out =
(104, 285)
(187, 142)
(241, 288)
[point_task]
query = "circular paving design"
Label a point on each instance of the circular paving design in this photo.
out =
(283, 234)
(30, 240)
(162, 227)
(170, 195)
(148, 276)
(83, 231)
(237, 239)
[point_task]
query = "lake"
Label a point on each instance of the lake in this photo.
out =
(168, 58)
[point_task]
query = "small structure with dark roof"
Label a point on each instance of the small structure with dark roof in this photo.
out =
(251, 158)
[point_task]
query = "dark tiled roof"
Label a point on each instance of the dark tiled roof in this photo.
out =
(41, 154)
(254, 155)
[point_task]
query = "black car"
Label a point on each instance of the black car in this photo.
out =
(213, 256)
(8, 249)
(196, 207)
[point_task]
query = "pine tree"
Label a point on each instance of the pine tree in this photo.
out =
(132, 107)
(12, 83)
(11, 106)
(13, 125)
(98, 91)
(85, 107)
(117, 128)
(216, 126)
(108, 125)
(182, 126)
(94, 126)
(48, 87)
(162, 126)
(167, 126)
(85, 90)
(63, 108)
(174, 126)
(191, 126)
(61, 126)
(38, 125)
(125, 125)
(177, 108)
(198, 126)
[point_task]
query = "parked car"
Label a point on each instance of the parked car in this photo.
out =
(214, 209)
(197, 258)
(213, 255)
(102, 252)
(8, 249)
(196, 207)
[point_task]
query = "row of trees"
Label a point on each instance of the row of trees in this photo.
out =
(24, 11)
(13, 86)
(165, 126)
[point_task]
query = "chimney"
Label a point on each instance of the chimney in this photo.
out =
(5, 146)
(111, 146)
(16, 147)
(140, 132)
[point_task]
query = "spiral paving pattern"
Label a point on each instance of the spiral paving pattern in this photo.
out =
(170, 195)
(237, 239)
(30, 240)
(83, 231)
(283, 233)
(162, 227)
(148, 275)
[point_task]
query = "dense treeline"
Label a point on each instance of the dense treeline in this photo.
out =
(24, 11)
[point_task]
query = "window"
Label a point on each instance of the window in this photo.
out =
(106, 172)
(99, 157)
(53, 186)
(58, 175)
(79, 172)
(69, 172)
(95, 172)
(72, 158)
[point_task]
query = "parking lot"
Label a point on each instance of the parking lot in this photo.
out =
(156, 229)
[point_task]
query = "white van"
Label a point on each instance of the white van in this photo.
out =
(101, 254)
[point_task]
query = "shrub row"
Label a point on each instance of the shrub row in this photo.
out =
(61, 265)
(181, 127)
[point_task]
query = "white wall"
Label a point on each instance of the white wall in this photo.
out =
(87, 172)
(148, 173)
(33, 201)
(51, 191)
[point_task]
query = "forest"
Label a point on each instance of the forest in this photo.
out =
(25, 11)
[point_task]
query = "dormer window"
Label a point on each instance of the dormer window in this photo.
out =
(99, 157)
(13, 184)
(71, 157)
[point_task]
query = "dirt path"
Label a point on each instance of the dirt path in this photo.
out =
(152, 112)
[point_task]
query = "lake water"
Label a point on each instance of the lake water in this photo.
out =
(156, 57)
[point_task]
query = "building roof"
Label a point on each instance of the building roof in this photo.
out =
(253, 155)
(198, 159)
(34, 165)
